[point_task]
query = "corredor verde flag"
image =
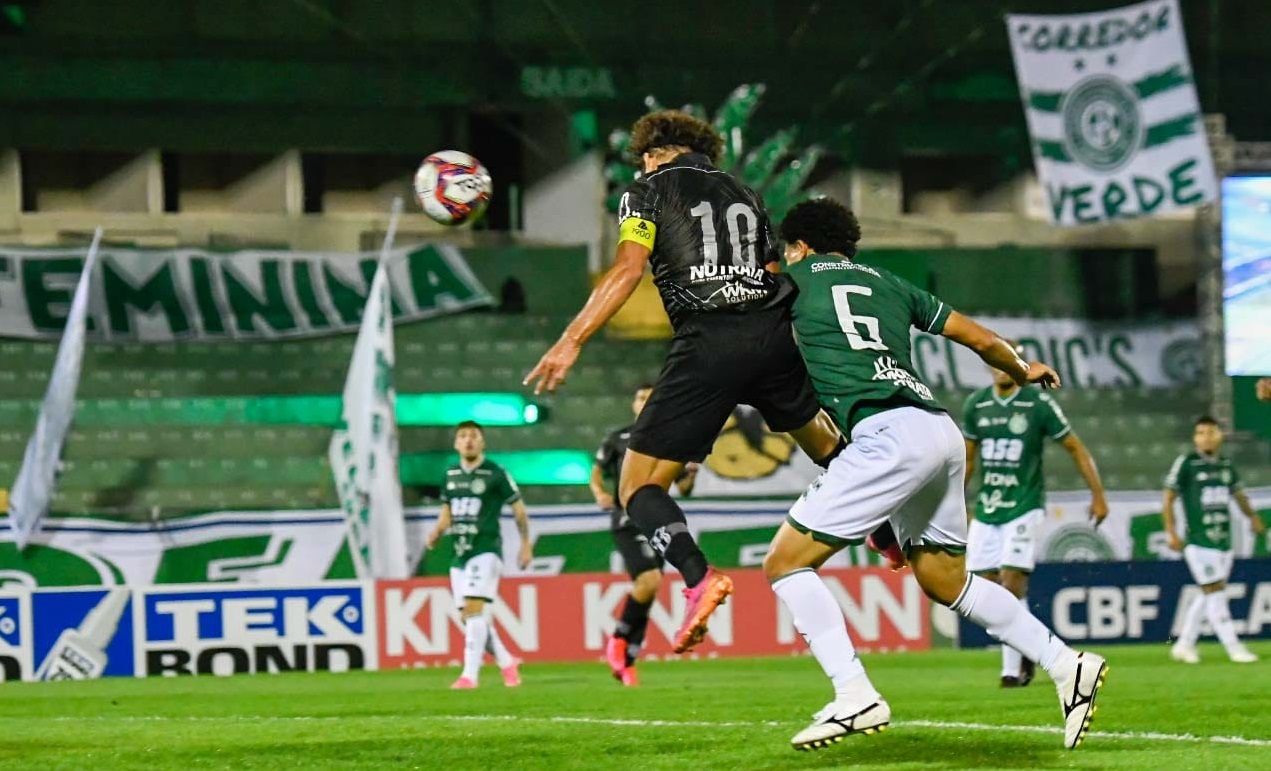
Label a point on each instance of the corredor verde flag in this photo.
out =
(1111, 104)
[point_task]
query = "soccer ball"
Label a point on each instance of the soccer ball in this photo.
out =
(452, 187)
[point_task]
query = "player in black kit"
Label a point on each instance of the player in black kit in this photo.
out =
(710, 244)
(642, 563)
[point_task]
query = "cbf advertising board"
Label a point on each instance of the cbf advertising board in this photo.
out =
(1097, 603)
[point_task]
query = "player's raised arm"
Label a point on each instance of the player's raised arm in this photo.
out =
(443, 524)
(997, 353)
(614, 289)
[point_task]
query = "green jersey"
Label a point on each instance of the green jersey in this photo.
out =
(477, 497)
(1205, 483)
(852, 322)
(1012, 433)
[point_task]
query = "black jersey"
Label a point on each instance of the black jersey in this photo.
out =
(710, 236)
(609, 458)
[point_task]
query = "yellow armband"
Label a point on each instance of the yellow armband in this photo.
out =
(637, 230)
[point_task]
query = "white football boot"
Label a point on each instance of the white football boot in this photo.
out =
(842, 718)
(1078, 684)
(1187, 654)
(1242, 655)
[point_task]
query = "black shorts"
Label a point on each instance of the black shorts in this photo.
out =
(716, 362)
(637, 554)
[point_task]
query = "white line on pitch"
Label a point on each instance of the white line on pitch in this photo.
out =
(1151, 736)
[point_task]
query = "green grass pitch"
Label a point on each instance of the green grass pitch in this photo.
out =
(721, 714)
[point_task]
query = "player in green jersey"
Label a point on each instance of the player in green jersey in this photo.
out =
(1207, 481)
(904, 467)
(1006, 427)
(472, 500)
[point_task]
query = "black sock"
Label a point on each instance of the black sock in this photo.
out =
(632, 625)
(838, 449)
(660, 519)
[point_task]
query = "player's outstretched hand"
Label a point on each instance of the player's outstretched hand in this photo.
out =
(1042, 375)
(606, 502)
(1259, 527)
(551, 370)
(1175, 543)
(1098, 510)
(527, 555)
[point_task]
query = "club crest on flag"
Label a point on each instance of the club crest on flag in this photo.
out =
(1112, 110)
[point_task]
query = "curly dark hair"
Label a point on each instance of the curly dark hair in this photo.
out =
(823, 224)
(673, 128)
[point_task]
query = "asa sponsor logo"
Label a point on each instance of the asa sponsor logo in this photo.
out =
(190, 632)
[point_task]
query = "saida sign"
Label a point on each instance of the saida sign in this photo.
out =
(1111, 106)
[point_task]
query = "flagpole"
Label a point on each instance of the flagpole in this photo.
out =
(395, 214)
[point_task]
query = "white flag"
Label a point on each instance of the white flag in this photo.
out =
(37, 479)
(363, 453)
(1111, 105)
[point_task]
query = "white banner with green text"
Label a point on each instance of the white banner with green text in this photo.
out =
(1111, 106)
(271, 548)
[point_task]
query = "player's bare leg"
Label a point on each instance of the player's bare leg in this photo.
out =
(1014, 666)
(790, 566)
(624, 646)
(1078, 675)
(643, 491)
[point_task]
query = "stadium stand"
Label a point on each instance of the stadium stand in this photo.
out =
(152, 437)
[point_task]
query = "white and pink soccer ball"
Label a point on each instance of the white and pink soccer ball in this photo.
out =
(453, 187)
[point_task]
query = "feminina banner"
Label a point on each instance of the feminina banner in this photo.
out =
(1086, 354)
(340, 626)
(267, 548)
(1111, 106)
(192, 294)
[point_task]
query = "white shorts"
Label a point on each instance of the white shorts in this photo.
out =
(903, 466)
(1208, 566)
(478, 578)
(1009, 545)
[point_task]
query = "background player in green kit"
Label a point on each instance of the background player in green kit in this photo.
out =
(473, 497)
(904, 467)
(643, 564)
(1207, 482)
(1006, 427)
